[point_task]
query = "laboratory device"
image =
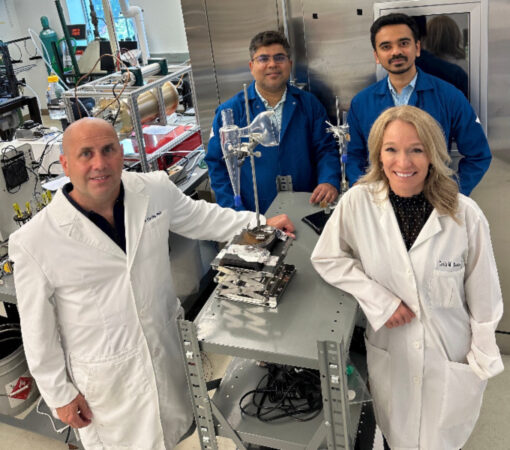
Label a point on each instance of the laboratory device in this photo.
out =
(251, 266)
(341, 133)
(19, 185)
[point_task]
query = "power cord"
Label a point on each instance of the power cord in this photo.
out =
(284, 392)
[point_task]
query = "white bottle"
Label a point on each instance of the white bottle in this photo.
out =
(56, 108)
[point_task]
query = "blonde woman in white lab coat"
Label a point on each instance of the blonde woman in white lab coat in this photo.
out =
(417, 256)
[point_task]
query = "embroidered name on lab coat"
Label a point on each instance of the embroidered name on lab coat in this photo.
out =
(149, 218)
(447, 265)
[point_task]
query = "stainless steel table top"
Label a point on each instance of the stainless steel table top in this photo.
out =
(310, 309)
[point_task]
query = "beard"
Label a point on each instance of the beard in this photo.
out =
(399, 71)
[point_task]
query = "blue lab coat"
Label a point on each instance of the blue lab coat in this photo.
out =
(442, 101)
(447, 71)
(306, 152)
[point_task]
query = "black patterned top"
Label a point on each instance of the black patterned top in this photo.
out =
(412, 213)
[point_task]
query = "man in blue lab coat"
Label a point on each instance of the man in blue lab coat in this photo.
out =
(306, 151)
(395, 39)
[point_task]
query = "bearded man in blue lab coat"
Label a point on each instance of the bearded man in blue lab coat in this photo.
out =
(306, 151)
(395, 39)
(96, 299)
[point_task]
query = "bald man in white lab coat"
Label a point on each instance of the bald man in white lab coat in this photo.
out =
(96, 299)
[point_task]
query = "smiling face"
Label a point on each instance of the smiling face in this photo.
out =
(396, 50)
(270, 76)
(403, 159)
(93, 160)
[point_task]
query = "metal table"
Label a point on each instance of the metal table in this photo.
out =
(310, 310)
(311, 327)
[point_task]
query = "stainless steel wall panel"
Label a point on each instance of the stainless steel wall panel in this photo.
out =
(202, 62)
(297, 41)
(340, 60)
(499, 75)
(232, 25)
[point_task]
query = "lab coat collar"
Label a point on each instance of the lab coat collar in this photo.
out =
(389, 222)
(136, 203)
(288, 109)
(423, 83)
(80, 228)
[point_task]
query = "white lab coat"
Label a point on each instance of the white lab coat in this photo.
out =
(103, 322)
(427, 378)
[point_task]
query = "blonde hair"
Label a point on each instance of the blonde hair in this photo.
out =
(439, 189)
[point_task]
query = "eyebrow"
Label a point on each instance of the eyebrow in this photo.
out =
(104, 147)
(271, 54)
(394, 142)
(405, 39)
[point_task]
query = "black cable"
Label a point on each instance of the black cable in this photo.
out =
(118, 102)
(20, 53)
(284, 392)
(37, 181)
(48, 146)
(49, 167)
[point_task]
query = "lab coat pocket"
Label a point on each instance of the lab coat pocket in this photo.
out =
(121, 398)
(379, 375)
(80, 375)
(446, 289)
(462, 399)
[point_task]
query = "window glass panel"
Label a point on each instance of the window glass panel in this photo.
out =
(123, 26)
(445, 47)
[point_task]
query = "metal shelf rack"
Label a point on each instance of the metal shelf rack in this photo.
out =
(102, 87)
(312, 327)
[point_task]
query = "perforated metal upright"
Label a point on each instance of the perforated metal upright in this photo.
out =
(335, 399)
(197, 385)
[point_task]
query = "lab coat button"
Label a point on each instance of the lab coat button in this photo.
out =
(417, 345)
(416, 380)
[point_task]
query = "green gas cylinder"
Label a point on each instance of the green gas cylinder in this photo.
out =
(48, 36)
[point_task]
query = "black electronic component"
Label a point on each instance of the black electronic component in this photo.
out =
(77, 31)
(14, 170)
(317, 220)
(8, 81)
(105, 48)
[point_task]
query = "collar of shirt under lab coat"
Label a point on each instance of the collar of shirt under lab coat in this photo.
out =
(278, 108)
(405, 95)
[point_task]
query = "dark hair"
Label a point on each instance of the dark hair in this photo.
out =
(444, 38)
(394, 19)
(266, 38)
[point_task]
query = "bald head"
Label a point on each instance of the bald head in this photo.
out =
(93, 159)
(85, 128)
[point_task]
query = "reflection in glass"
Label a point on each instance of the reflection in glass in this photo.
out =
(445, 48)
